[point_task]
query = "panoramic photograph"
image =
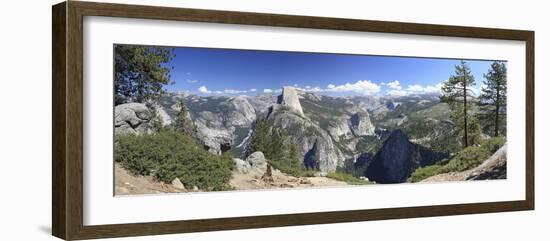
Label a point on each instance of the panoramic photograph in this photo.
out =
(190, 119)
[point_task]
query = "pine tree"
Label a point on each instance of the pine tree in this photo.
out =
(183, 123)
(261, 138)
(493, 96)
(140, 72)
(457, 93)
(276, 151)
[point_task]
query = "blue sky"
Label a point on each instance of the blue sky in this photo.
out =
(206, 71)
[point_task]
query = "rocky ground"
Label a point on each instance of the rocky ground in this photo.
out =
(128, 183)
(249, 174)
(254, 180)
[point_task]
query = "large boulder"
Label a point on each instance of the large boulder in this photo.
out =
(398, 158)
(133, 118)
(241, 166)
(257, 160)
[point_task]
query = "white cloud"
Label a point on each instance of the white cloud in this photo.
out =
(204, 90)
(268, 91)
(428, 89)
(252, 90)
(192, 81)
(362, 86)
(415, 90)
(234, 92)
(308, 87)
(394, 85)
(397, 92)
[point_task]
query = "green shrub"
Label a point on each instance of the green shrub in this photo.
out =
(346, 177)
(425, 172)
(465, 159)
(168, 155)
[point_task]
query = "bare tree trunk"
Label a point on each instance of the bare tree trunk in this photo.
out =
(497, 108)
(465, 114)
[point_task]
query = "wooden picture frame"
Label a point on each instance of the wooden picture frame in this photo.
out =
(67, 123)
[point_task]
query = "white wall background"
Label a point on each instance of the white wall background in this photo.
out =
(25, 119)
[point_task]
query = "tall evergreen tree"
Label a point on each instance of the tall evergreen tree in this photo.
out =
(457, 93)
(140, 72)
(493, 96)
(261, 138)
(183, 122)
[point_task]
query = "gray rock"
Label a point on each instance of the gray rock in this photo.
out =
(314, 143)
(132, 118)
(361, 124)
(177, 184)
(289, 98)
(339, 128)
(492, 168)
(257, 160)
(242, 114)
(241, 166)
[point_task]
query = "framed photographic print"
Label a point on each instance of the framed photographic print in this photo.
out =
(171, 120)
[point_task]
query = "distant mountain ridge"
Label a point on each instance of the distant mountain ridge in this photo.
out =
(328, 130)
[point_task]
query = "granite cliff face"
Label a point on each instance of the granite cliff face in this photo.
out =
(398, 158)
(290, 99)
(221, 122)
(361, 125)
(314, 144)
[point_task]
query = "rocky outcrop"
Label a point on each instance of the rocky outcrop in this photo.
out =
(262, 103)
(492, 168)
(339, 128)
(289, 98)
(257, 160)
(213, 133)
(219, 120)
(132, 118)
(241, 166)
(314, 143)
(177, 184)
(398, 158)
(242, 112)
(361, 125)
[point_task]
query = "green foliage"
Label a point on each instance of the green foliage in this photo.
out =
(425, 172)
(474, 131)
(457, 92)
(493, 99)
(183, 122)
(346, 177)
(278, 148)
(140, 73)
(467, 158)
(169, 154)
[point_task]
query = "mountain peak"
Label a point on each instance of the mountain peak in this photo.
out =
(289, 98)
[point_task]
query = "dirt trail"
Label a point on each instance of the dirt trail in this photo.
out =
(253, 180)
(127, 183)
